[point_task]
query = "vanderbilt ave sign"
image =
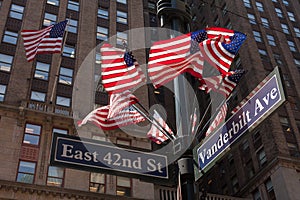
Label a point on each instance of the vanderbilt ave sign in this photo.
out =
(93, 155)
(269, 97)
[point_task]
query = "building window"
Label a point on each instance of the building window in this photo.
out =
(277, 58)
(103, 13)
(251, 18)
(123, 142)
(228, 25)
(5, 62)
(292, 46)
(69, 51)
(151, 5)
(32, 134)
(235, 184)
(260, 6)
(257, 36)
(262, 159)
(10, 37)
(285, 28)
(297, 31)
(265, 22)
(297, 63)
(63, 101)
(61, 131)
(270, 189)
(291, 16)
(285, 124)
(26, 172)
(102, 33)
(262, 52)
(256, 195)
(121, 36)
(224, 10)
(49, 19)
(123, 186)
(72, 25)
(65, 76)
(97, 182)
(55, 176)
(271, 40)
(53, 2)
(122, 1)
(98, 58)
(73, 5)
(16, 11)
(42, 70)
(285, 2)
(279, 12)
(247, 3)
(2, 92)
(121, 17)
(217, 21)
(38, 96)
(250, 169)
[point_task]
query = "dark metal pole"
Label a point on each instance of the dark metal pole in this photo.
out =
(175, 15)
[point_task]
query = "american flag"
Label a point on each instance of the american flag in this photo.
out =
(187, 53)
(155, 134)
(222, 84)
(119, 101)
(47, 40)
(99, 117)
(213, 32)
(219, 118)
(120, 71)
(220, 53)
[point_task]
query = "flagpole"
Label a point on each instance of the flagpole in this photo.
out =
(160, 128)
(59, 62)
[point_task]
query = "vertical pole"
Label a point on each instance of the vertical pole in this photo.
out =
(177, 22)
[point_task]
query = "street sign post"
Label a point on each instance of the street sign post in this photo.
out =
(94, 155)
(261, 104)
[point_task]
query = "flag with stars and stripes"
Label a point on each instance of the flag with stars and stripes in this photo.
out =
(220, 52)
(222, 84)
(218, 119)
(47, 40)
(156, 133)
(120, 71)
(189, 52)
(99, 117)
(119, 101)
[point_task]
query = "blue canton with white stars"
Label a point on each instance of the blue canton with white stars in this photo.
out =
(237, 75)
(58, 29)
(129, 59)
(236, 41)
(196, 38)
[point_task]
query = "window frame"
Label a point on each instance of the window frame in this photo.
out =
(122, 17)
(6, 66)
(26, 173)
(58, 177)
(17, 12)
(271, 40)
(103, 14)
(2, 92)
(101, 185)
(69, 51)
(72, 26)
(39, 72)
(10, 37)
(251, 18)
(73, 5)
(102, 33)
(49, 19)
(62, 99)
(257, 36)
(292, 45)
(65, 78)
(37, 94)
(285, 28)
(120, 187)
(53, 2)
(259, 6)
(33, 134)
